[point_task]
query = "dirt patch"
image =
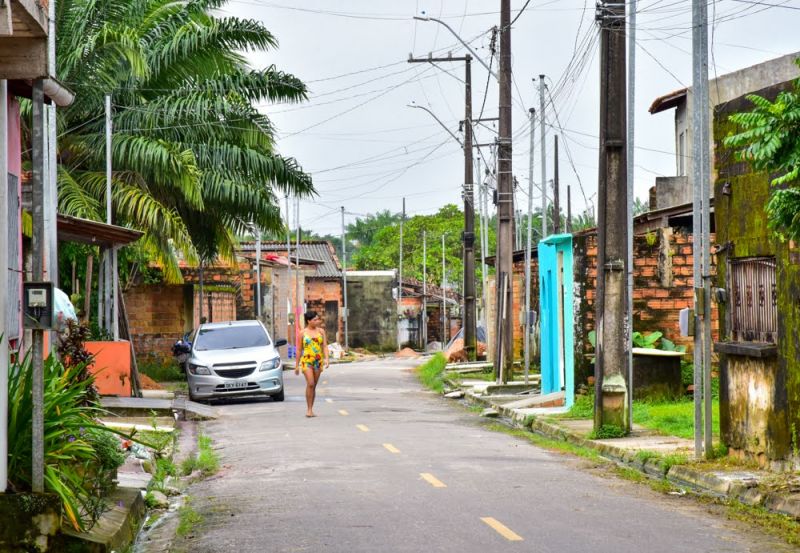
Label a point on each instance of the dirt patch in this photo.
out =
(407, 353)
(148, 383)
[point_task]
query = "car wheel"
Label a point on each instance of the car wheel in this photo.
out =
(278, 397)
(194, 398)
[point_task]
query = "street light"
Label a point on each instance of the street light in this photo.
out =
(413, 105)
(467, 46)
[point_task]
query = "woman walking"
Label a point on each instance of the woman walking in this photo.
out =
(313, 358)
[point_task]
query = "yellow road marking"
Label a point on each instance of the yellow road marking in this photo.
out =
(502, 529)
(343, 413)
(391, 448)
(328, 400)
(362, 427)
(432, 480)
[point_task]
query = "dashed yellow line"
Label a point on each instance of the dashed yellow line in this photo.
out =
(502, 529)
(432, 480)
(343, 413)
(391, 449)
(362, 427)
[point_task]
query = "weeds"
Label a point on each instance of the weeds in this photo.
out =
(188, 518)
(207, 460)
(607, 432)
(430, 374)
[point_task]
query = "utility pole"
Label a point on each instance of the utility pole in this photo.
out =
(400, 279)
(527, 342)
(344, 283)
(424, 290)
(109, 255)
(701, 176)
(4, 240)
(543, 146)
(289, 303)
(556, 194)
(258, 271)
(444, 297)
(611, 356)
(468, 236)
(629, 204)
(38, 250)
(569, 210)
(504, 361)
(297, 308)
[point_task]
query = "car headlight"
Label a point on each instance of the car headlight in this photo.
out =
(270, 365)
(199, 369)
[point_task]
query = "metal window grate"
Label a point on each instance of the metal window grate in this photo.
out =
(754, 306)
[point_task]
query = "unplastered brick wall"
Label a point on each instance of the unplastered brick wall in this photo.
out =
(318, 293)
(662, 286)
(157, 317)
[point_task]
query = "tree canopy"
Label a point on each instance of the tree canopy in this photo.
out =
(194, 161)
(769, 140)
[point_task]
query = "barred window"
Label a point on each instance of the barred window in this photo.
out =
(754, 306)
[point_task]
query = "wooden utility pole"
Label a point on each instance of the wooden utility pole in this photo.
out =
(468, 236)
(504, 358)
(611, 315)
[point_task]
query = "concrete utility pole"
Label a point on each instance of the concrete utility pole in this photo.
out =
(424, 290)
(111, 284)
(630, 166)
(444, 297)
(299, 306)
(569, 209)
(258, 271)
(344, 283)
(611, 356)
(504, 361)
(38, 249)
(289, 303)
(701, 177)
(3, 297)
(468, 236)
(527, 342)
(556, 194)
(543, 146)
(400, 279)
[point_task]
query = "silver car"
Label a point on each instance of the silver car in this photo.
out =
(232, 359)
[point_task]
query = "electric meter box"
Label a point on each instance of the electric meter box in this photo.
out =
(38, 306)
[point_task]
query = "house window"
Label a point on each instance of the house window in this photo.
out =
(13, 322)
(682, 154)
(754, 306)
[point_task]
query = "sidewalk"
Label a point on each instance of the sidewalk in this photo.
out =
(645, 450)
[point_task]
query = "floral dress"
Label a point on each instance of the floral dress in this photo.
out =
(312, 352)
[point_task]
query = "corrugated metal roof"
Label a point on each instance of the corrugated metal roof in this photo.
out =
(317, 251)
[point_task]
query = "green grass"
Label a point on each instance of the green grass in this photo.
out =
(673, 418)
(162, 371)
(782, 526)
(431, 373)
(482, 375)
(547, 443)
(188, 518)
(206, 461)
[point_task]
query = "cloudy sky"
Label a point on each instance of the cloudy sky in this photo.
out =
(366, 148)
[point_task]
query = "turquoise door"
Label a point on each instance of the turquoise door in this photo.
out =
(556, 319)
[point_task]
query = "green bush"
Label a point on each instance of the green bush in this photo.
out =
(78, 454)
(430, 374)
(162, 371)
(606, 432)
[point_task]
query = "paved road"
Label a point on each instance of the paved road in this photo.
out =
(386, 467)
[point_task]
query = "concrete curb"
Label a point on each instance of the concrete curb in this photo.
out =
(681, 475)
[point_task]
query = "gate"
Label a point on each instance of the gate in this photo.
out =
(557, 336)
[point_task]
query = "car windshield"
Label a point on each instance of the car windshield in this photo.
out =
(231, 337)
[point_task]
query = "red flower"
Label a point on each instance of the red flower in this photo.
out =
(319, 357)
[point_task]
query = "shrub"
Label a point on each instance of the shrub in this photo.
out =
(78, 455)
(431, 372)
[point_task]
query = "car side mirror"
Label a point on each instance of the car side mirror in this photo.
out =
(280, 343)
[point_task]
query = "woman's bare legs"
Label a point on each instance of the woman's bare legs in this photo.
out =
(311, 390)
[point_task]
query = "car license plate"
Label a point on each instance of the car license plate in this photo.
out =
(236, 385)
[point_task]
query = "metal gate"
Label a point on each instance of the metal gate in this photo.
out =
(556, 318)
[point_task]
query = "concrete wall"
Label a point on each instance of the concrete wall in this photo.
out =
(373, 312)
(672, 191)
(759, 397)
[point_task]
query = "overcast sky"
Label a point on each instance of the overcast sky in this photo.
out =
(366, 149)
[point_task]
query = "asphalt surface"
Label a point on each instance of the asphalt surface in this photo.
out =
(388, 467)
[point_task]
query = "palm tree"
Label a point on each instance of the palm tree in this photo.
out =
(195, 162)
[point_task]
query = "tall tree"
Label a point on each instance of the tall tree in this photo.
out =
(769, 140)
(194, 160)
